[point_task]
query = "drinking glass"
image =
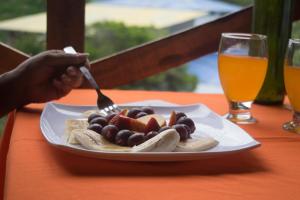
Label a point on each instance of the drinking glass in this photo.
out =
(291, 79)
(242, 62)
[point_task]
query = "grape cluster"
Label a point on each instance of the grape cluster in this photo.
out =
(137, 113)
(124, 137)
(116, 134)
(184, 126)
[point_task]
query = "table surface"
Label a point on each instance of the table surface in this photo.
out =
(36, 170)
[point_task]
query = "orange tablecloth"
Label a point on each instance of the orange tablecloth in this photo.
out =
(36, 170)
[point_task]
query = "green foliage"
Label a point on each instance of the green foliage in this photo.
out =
(296, 35)
(240, 2)
(296, 30)
(174, 80)
(26, 42)
(16, 8)
(103, 39)
(2, 122)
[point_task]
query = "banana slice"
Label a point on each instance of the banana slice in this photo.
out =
(93, 141)
(196, 145)
(71, 125)
(165, 141)
(86, 138)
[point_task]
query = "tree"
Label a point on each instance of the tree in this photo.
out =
(16, 8)
(240, 2)
(103, 39)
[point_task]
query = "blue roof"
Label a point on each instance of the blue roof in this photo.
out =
(203, 5)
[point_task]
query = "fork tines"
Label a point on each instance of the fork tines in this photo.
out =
(111, 108)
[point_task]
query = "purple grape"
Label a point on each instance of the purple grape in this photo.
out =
(95, 127)
(92, 116)
(136, 139)
(189, 122)
(151, 134)
(110, 116)
(109, 132)
(182, 131)
(122, 137)
(164, 128)
(133, 112)
(187, 128)
(99, 120)
(179, 115)
(141, 114)
(147, 110)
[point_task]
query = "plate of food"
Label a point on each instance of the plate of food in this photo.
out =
(151, 130)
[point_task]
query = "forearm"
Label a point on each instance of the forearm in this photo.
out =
(10, 93)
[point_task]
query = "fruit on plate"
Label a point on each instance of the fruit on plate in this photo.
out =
(109, 132)
(152, 125)
(136, 139)
(124, 122)
(122, 137)
(126, 128)
(172, 120)
(163, 142)
(139, 130)
(93, 141)
(140, 112)
(182, 130)
(195, 145)
(187, 121)
(95, 127)
(159, 118)
(167, 141)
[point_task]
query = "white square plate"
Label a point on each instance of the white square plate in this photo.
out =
(231, 137)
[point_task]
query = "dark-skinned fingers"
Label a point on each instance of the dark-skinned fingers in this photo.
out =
(73, 71)
(57, 84)
(87, 64)
(76, 82)
(73, 77)
(66, 89)
(61, 88)
(58, 58)
(66, 80)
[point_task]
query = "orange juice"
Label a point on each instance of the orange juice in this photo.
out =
(291, 79)
(241, 76)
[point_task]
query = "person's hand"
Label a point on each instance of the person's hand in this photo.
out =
(49, 75)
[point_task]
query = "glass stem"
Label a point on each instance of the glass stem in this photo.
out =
(296, 118)
(239, 112)
(294, 125)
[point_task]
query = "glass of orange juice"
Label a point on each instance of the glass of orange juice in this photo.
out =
(291, 79)
(242, 62)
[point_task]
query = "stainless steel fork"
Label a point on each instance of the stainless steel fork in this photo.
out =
(104, 103)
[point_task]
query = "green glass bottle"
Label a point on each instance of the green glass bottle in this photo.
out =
(274, 19)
